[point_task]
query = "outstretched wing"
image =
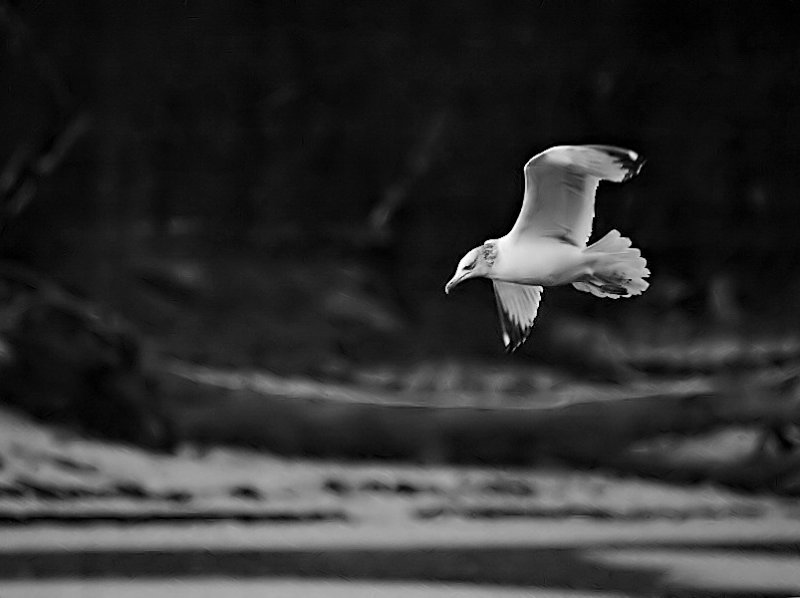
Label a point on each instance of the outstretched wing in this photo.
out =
(517, 305)
(560, 185)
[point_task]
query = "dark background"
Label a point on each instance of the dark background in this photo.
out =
(229, 224)
(226, 192)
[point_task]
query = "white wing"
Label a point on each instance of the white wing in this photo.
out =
(517, 305)
(560, 184)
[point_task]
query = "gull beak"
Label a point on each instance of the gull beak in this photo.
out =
(459, 277)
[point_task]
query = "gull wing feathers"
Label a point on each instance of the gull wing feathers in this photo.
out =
(517, 305)
(560, 185)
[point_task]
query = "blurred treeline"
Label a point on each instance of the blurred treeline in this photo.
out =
(274, 130)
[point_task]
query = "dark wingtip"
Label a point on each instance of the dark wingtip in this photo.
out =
(515, 342)
(631, 162)
(634, 167)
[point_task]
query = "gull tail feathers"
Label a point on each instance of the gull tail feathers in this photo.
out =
(619, 269)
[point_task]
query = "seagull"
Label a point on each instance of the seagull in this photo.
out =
(547, 246)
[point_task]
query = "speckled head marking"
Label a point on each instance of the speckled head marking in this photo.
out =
(489, 251)
(477, 262)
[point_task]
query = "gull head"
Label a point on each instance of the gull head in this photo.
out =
(476, 263)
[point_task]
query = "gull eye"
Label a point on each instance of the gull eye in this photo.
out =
(470, 266)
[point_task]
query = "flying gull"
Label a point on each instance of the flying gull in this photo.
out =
(547, 245)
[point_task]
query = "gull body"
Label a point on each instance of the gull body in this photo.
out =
(541, 261)
(547, 246)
